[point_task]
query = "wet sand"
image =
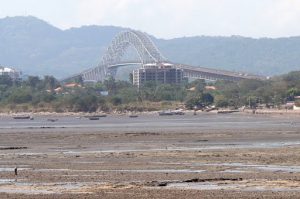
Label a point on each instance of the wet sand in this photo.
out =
(203, 156)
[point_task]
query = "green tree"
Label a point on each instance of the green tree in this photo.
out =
(199, 100)
(110, 85)
(6, 80)
(292, 92)
(147, 91)
(128, 94)
(165, 92)
(20, 95)
(292, 79)
(221, 101)
(79, 80)
(116, 100)
(193, 101)
(199, 84)
(50, 83)
(207, 99)
(33, 82)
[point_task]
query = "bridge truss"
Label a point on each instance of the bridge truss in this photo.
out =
(145, 48)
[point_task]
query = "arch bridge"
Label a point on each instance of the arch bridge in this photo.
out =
(147, 53)
(112, 59)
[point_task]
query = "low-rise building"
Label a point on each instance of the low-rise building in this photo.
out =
(12, 73)
(163, 73)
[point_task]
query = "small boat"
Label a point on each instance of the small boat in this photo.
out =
(177, 112)
(133, 116)
(227, 111)
(52, 120)
(93, 118)
(25, 117)
(165, 113)
(102, 115)
(210, 109)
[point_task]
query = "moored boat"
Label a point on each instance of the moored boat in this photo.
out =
(165, 113)
(93, 118)
(177, 112)
(98, 116)
(170, 112)
(102, 115)
(52, 120)
(227, 111)
(22, 117)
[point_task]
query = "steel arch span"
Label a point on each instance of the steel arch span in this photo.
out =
(145, 48)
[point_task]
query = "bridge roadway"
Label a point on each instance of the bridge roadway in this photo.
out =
(215, 74)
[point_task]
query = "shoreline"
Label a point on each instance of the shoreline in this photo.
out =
(272, 112)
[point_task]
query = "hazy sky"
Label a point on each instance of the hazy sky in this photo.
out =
(169, 18)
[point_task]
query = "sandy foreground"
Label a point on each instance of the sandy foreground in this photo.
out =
(234, 158)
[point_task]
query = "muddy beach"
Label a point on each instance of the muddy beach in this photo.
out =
(202, 156)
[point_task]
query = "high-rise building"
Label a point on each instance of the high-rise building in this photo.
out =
(163, 73)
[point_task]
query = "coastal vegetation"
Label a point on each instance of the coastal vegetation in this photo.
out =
(47, 94)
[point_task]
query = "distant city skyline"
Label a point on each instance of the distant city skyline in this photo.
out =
(168, 18)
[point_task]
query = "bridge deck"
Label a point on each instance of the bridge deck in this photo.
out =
(217, 72)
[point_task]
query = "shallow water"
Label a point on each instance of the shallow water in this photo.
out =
(126, 170)
(212, 146)
(12, 169)
(43, 188)
(227, 185)
(5, 181)
(245, 167)
(200, 186)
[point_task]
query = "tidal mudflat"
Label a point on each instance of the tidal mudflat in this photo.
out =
(185, 156)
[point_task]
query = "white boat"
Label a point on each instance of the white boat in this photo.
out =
(165, 113)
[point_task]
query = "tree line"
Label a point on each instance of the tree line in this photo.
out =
(47, 94)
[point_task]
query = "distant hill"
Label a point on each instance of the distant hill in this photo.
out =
(38, 48)
(261, 56)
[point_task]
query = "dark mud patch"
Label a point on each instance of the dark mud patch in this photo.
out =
(201, 141)
(193, 180)
(13, 148)
(142, 134)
